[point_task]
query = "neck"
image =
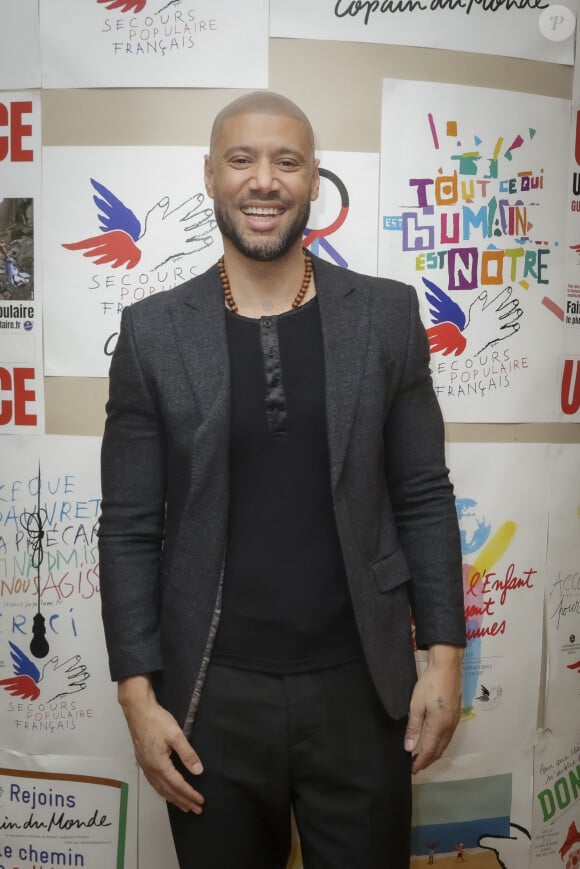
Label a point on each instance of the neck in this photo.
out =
(265, 287)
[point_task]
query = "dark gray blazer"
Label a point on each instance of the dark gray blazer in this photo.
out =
(165, 483)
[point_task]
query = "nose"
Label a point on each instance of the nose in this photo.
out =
(264, 176)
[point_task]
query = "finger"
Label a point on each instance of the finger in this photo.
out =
(185, 752)
(414, 728)
(171, 785)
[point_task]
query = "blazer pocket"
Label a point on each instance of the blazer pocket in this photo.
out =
(391, 571)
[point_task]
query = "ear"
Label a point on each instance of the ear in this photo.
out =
(315, 184)
(208, 175)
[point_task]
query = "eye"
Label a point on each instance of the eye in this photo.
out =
(240, 162)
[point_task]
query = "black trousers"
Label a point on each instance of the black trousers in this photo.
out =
(318, 742)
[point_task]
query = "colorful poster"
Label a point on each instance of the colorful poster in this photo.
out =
(472, 185)
(19, 45)
(570, 373)
(526, 28)
(153, 43)
(56, 696)
(474, 810)
(556, 810)
(21, 382)
(562, 605)
(115, 240)
(503, 520)
(67, 811)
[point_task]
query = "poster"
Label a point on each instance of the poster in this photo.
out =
(19, 44)
(21, 383)
(56, 696)
(503, 521)
(570, 372)
(343, 227)
(474, 810)
(562, 594)
(153, 43)
(67, 811)
(556, 807)
(526, 28)
(115, 240)
(472, 185)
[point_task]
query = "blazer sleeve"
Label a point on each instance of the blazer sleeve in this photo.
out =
(422, 495)
(131, 531)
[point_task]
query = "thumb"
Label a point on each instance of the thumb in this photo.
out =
(414, 727)
(187, 755)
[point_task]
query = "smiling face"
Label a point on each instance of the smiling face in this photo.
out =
(262, 175)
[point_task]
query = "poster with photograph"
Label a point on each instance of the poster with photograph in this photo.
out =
(56, 696)
(562, 598)
(556, 807)
(21, 381)
(472, 185)
(523, 29)
(501, 495)
(154, 43)
(19, 44)
(67, 811)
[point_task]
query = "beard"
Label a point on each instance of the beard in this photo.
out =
(266, 249)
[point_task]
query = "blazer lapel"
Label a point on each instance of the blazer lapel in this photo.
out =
(344, 311)
(199, 323)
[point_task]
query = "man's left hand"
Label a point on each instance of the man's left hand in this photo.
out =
(435, 706)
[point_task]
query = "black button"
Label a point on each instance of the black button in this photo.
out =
(275, 381)
(267, 322)
(271, 352)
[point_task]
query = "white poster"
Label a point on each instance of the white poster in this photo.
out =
(556, 811)
(472, 185)
(19, 44)
(562, 701)
(526, 28)
(67, 811)
(154, 43)
(343, 221)
(135, 221)
(56, 696)
(21, 382)
(501, 493)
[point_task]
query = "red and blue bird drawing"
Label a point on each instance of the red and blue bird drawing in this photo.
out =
(488, 321)
(56, 679)
(164, 235)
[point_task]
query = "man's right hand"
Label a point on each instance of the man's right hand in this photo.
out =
(156, 735)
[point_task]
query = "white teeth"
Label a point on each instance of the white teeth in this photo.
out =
(262, 212)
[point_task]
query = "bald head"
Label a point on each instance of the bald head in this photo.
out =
(261, 103)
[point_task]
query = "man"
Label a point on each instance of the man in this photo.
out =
(274, 499)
